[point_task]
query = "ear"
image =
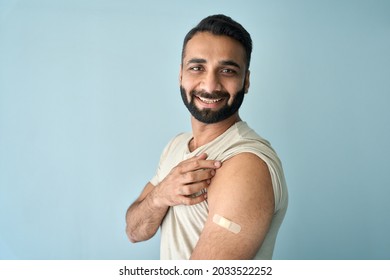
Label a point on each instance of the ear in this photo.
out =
(247, 81)
(180, 73)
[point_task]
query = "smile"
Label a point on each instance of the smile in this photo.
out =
(209, 101)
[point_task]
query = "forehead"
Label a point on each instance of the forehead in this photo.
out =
(214, 47)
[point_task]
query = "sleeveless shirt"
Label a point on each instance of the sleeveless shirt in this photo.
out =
(182, 225)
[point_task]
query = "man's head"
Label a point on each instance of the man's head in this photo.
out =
(214, 73)
(223, 26)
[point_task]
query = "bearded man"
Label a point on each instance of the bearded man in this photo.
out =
(219, 191)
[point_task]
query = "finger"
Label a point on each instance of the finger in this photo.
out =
(194, 200)
(197, 176)
(194, 188)
(201, 156)
(217, 163)
(197, 164)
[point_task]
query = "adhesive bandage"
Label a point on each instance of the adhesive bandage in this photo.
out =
(225, 223)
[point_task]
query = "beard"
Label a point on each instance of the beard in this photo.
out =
(210, 116)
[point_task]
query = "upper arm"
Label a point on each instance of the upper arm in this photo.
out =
(241, 192)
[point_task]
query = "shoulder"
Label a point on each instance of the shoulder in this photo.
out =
(180, 138)
(247, 142)
(241, 193)
(179, 141)
(243, 181)
(241, 138)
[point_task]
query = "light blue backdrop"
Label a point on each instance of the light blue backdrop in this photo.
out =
(89, 97)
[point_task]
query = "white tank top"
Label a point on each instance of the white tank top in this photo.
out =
(182, 225)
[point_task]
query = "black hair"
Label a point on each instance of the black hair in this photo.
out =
(222, 25)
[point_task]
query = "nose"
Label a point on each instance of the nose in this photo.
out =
(210, 82)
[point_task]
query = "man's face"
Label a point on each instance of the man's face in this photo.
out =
(213, 77)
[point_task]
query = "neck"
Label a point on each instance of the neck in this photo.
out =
(204, 133)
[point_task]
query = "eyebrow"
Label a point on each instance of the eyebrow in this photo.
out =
(230, 63)
(196, 60)
(222, 62)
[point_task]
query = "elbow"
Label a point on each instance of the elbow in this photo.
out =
(131, 229)
(131, 235)
(132, 240)
(138, 235)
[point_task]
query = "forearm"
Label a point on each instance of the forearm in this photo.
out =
(143, 218)
(145, 215)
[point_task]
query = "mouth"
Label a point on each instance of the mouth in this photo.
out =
(209, 100)
(209, 103)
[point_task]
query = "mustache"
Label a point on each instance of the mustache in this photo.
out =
(210, 95)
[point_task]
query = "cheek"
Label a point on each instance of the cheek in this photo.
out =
(188, 83)
(185, 93)
(234, 91)
(234, 85)
(231, 100)
(188, 86)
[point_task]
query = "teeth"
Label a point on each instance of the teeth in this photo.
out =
(209, 101)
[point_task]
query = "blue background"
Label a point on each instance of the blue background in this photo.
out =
(89, 97)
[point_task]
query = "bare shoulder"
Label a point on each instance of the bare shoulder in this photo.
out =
(242, 193)
(243, 176)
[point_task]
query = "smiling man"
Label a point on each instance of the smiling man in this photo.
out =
(219, 191)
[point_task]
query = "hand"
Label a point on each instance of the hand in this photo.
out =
(186, 179)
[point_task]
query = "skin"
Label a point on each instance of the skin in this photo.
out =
(239, 190)
(144, 216)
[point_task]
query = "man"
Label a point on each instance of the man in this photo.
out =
(219, 192)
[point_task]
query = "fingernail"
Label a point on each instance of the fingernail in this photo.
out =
(217, 164)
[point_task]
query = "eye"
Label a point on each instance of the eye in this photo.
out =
(228, 71)
(196, 68)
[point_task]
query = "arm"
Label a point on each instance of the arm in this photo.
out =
(242, 192)
(145, 215)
